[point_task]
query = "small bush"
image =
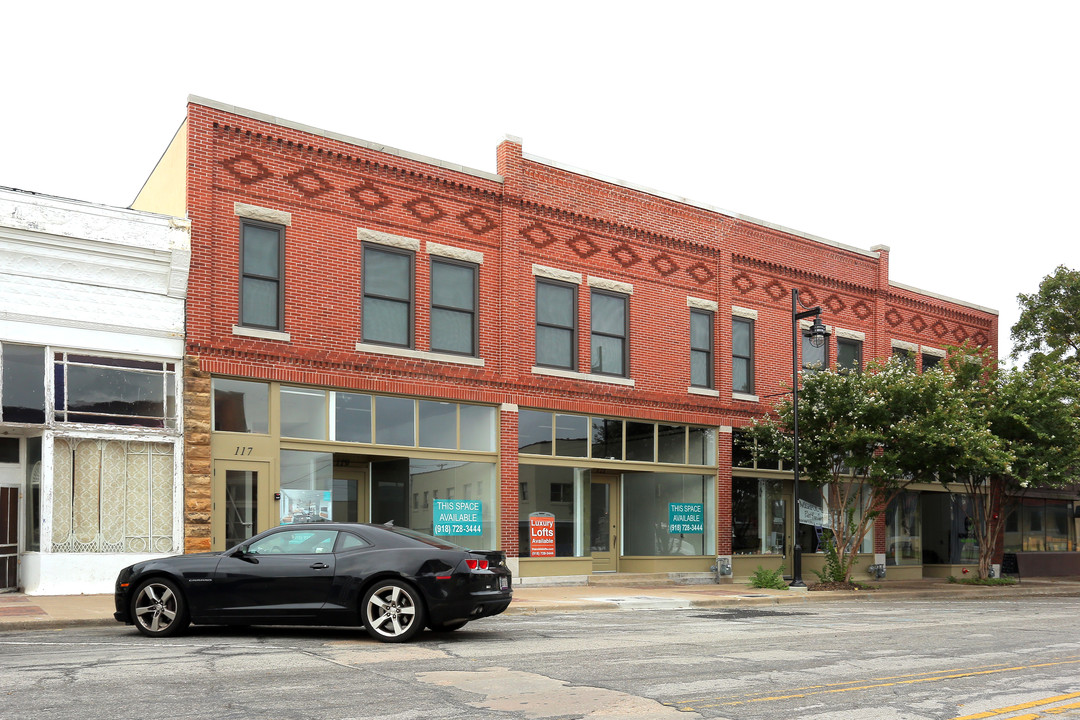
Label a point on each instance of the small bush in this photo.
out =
(768, 579)
(982, 581)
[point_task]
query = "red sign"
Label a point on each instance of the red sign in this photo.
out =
(541, 535)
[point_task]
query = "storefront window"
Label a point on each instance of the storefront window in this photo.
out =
(671, 444)
(759, 517)
(115, 391)
(477, 428)
(438, 424)
(640, 442)
(395, 482)
(1038, 524)
(33, 498)
(1057, 526)
(22, 383)
(903, 530)
(303, 413)
(534, 432)
(813, 519)
(948, 532)
(241, 406)
(666, 514)
(352, 417)
(607, 439)
(394, 421)
(702, 446)
(553, 496)
(571, 435)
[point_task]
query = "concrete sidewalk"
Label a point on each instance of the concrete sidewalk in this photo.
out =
(22, 612)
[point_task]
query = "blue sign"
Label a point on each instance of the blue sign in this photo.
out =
(686, 518)
(457, 517)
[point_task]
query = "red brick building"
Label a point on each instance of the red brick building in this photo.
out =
(377, 335)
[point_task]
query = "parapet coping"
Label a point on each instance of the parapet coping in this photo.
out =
(945, 298)
(377, 147)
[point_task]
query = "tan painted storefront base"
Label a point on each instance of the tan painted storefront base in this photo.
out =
(944, 571)
(554, 567)
(670, 564)
(904, 572)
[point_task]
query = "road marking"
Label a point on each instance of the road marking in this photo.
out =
(1023, 706)
(950, 675)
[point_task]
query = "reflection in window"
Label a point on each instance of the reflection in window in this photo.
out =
(647, 512)
(903, 530)
(569, 506)
(814, 358)
(640, 441)
(22, 383)
(671, 443)
(535, 432)
(394, 421)
(702, 446)
(262, 251)
(571, 435)
(453, 307)
(113, 391)
(308, 491)
(303, 413)
(701, 348)
(556, 324)
(241, 406)
(610, 327)
(607, 439)
(387, 303)
(848, 354)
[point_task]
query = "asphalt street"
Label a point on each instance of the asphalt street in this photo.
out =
(1007, 660)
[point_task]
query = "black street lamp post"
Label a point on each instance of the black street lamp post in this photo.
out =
(817, 335)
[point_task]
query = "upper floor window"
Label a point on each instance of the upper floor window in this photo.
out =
(848, 354)
(904, 354)
(610, 328)
(453, 307)
(556, 324)
(742, 355)
(262, 263)
(815, 358)
(929, 361)
(701, 348)
(388, 296)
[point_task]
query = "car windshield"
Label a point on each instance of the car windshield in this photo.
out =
(424, 538)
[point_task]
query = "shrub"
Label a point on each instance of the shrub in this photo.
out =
(768, 579)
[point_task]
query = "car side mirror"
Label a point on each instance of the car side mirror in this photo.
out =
(242, 553)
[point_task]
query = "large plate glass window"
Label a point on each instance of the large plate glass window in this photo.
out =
(610, 328)
(453, 307)
(388, 296)
(241, 406)
(758, 517)
(303, 413)
(653, 501)
(553, 495)
(556, 324)
(903, 530)
(262, 260)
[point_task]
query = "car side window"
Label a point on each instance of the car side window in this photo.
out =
(350, 541)
(295, 542)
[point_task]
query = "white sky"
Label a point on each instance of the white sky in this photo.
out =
(946, 130)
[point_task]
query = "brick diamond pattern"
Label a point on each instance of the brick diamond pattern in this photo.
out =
(807, 297)
(246, 169)
(861, 310)
(475, 221)
(624, 255)
(369, 197)
(979, 337)
(960, 334)
(663, 264)
(743, 283)
(775, 289)
(835, 304)
(917, 324)
(308, 183)
(893, 317)
(939, 328)
(424, 209)
(538, 235)
(583, 245)
(700, 273)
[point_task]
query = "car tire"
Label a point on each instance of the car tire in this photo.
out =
(392, 611)
(448, 627)
(159, 609)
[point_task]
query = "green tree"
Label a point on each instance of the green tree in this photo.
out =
(864, 437)
(1049, 324)
(1033, 413)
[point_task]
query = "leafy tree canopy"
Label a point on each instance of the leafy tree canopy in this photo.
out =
(1049, 325)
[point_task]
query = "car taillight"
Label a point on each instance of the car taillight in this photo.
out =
(474, 564)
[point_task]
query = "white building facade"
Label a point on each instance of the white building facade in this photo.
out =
(91, 365)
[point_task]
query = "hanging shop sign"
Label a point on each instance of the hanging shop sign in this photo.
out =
(686, 518)
(541, 534)
(457, 517)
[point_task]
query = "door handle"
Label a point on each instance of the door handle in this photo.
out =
(319, 566)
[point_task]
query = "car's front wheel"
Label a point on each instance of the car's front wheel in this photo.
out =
(159, 609)
(393, 611)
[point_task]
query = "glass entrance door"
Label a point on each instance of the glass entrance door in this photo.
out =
(604, 523)
(242, 503)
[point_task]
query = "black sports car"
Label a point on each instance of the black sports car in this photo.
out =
(391, 580)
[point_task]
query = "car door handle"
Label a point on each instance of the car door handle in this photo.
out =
(319, 566)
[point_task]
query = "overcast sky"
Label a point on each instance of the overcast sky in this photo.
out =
(945, 130)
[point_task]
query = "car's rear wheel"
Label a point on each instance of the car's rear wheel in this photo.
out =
(159, 609)
(393, 611)
(448, 627)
